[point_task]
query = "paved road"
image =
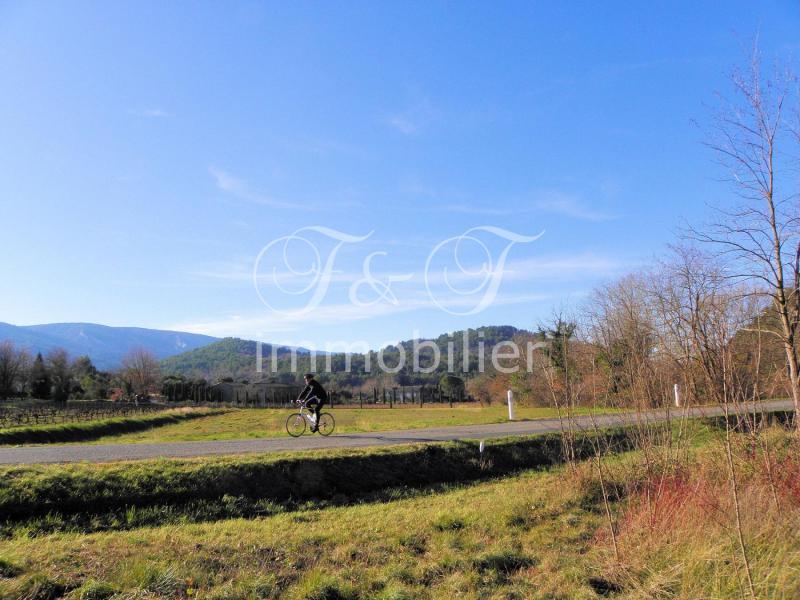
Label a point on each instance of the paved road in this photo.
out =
(114, 452)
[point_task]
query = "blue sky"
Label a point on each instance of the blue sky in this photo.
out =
(152, 150)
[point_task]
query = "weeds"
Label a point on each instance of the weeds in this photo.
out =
(679, 531)
(448, 523)
(503, 564)
(9, 569)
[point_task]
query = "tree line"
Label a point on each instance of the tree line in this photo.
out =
(58, 377)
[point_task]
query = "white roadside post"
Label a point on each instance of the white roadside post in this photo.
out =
(677, 396)
(510, 405)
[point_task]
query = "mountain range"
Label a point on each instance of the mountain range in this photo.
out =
(105, 345)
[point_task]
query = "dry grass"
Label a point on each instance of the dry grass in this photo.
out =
(677, 535)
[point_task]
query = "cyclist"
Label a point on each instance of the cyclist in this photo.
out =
(315, 397)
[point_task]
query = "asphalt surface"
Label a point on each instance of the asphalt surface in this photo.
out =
(115, 452)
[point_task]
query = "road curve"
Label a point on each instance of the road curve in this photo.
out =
(117, 452)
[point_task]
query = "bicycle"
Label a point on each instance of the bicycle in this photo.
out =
(296, 423)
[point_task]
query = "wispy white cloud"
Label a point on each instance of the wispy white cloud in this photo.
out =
(547, 274)
(243, 273)
(609, 72)
(413, 119)
(404, 124)
(261, 325)
(569, 206)
(153, 113)
(576, 266)
(548, 201)
(489, 211)
(322, 146)
(563, 206)
(240, 189)
(548, 269)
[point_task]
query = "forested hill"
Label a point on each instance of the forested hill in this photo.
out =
(236, 358)
(229, 357)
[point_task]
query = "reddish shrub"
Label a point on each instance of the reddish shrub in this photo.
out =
(786, 474)
(661, 501)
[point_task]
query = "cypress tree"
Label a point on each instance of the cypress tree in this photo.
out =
(39, 379)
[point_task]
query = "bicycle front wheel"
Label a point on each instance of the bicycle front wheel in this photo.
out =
(326, 424)
(295, 425)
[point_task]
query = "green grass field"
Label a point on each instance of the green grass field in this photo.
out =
(537, 535)
(197, 424)
(443, 545)
(260, 423)
(82, 431)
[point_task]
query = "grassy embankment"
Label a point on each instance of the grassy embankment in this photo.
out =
(42, 498)
(539, 534)
(82, 431)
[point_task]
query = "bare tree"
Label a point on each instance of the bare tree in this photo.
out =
(756, 139)
(60, 374)
(140, 370)
(691, 296)
(620, 324)
(13, 363)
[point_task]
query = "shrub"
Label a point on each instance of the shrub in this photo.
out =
(323, 587)
(9, 569)
(96, 590)
(416, 544)
(396, 593)
(41, 587)
(448, 523)
(503, 563)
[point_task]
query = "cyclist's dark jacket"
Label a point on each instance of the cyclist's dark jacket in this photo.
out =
(314, 389)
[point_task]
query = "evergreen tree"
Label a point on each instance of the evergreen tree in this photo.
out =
(88, 383)
(39, 379)
(82, 367)
(559, 336)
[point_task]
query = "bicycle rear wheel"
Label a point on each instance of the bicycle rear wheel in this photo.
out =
(326, 424)
(295, 425)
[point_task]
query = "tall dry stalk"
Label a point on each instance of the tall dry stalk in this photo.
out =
(734, 483)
